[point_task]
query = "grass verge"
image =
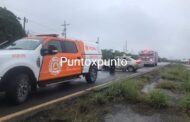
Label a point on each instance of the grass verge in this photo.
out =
(91, 107)
(185, 103)
(166, 84)
(176, 72)
(177, 77)
(157, 99)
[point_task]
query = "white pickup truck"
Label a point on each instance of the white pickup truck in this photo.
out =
(36, 61)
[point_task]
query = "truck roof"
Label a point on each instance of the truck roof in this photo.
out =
(50, 37)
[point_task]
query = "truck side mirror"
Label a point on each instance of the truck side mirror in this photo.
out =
(48, 50)
(44, 51)
(52, 50)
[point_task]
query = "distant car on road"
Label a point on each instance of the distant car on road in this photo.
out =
(132, 64)
(149, 57)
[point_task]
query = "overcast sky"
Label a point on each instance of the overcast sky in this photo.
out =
(161, 25)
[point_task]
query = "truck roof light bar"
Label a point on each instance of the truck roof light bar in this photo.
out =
(49, 35)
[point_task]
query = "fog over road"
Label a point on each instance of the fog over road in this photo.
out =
(60, 90)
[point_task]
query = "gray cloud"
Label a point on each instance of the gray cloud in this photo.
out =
(160, 25)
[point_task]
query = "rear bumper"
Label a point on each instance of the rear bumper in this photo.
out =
(149, 62)
(139, 66)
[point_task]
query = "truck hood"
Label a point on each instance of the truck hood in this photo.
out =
(15, 52)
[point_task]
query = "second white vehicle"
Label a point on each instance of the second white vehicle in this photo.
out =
(132, 64)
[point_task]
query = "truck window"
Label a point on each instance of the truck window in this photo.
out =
(24, 44)
(69, 47)
(56, 43)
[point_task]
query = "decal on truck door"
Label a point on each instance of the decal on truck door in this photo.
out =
(54, 66)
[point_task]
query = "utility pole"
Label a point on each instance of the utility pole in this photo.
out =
(125, 46)
(25, 20)
(98, 40)
(64, 33)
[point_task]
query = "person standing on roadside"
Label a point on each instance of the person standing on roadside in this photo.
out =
(112, 64)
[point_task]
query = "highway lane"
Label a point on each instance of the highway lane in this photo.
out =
(59, 90)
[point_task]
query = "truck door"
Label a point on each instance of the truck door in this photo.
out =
(51, 68)
(73, 56)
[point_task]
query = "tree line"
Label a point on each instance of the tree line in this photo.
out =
(10, 27)
(110, 53)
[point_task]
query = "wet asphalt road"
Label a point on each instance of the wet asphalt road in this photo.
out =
(59, 90)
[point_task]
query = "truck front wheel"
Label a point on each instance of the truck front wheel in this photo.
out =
(18, 88)
(91, 76)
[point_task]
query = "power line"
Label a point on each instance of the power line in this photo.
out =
(37, 23)
(42, 25)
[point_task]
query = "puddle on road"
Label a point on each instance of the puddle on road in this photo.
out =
(129, 113)
(174, 97)
(148, 87)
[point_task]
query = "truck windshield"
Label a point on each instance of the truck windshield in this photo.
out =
(24, 44)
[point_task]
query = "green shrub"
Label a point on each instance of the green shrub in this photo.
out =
(176, 72)
(128, 89)
(114, 92)
(185, 86)
(167, 85)
(157, 99)
(99, 98)
(185, 102)
(131, 90)
(83, 106)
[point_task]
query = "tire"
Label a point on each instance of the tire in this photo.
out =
(91, 76)
(131, 69)
(18, 88)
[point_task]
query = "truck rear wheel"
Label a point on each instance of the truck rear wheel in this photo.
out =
(91, 76)
(18, 88)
